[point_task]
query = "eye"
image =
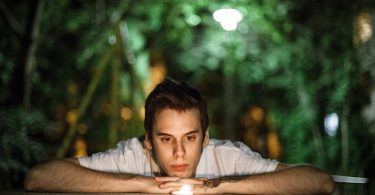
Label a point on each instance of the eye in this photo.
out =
(166, 139)
(191, 137)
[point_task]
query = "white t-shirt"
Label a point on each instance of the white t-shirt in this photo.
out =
(219, 158)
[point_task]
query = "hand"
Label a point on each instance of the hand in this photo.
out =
(152, 185)
(197, 184)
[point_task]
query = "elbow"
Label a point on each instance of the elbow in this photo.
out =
(329, 185)
(31, 180)
(324, 182)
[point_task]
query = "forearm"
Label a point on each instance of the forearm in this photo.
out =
(66, 176)
(294, 180)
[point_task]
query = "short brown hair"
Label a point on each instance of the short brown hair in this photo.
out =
(174, 95)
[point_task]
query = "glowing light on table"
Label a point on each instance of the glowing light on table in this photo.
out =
(185, 190)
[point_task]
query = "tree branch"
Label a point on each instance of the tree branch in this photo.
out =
(11, 20)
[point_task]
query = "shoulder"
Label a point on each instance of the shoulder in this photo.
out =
(130, 148)
(221, 149)
(215, 144)
(134, 143)
(239, 157)
(237, 150)
(118, 159)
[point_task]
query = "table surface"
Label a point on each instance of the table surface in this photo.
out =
(72, 193)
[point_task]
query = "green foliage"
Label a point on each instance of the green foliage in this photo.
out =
(20, 147)
(294, 58)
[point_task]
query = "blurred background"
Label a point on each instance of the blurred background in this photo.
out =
(294, 80)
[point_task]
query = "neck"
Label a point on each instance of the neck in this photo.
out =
(155, 168)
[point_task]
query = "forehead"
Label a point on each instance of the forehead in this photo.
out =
(173, 121)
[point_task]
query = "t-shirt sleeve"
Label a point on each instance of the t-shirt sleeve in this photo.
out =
(112, 160)
(250, 162)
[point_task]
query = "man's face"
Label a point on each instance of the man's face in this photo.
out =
(177, 141)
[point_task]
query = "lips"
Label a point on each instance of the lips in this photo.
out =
(179, 167)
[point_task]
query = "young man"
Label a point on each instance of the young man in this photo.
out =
(174, 152)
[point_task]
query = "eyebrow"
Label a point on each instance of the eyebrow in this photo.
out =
(166, 134)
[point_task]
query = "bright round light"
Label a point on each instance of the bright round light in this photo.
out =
(184, 190)
(228, 18)
(331, 123)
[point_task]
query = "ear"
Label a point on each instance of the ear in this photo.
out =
(206, 138)
(147, 143)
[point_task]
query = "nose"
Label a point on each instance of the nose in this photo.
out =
(179, 149)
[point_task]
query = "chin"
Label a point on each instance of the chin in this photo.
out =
(181, 174)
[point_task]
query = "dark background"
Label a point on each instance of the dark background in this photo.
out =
(74, 76)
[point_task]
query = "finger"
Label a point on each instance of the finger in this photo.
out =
(181, 182)
(169, 184)
(193, 181)
(170, 190)
(163, 179)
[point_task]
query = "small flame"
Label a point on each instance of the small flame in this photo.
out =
(184, 190)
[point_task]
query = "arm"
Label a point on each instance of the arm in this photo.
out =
(66, 175)
(299, 179)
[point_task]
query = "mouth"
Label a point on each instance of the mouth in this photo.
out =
(179, 167)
